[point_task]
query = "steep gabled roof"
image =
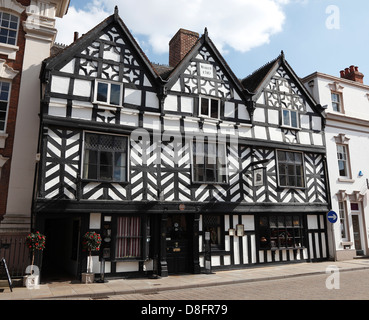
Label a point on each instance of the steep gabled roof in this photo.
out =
(62, 56)
(205, 40)
(256, 82)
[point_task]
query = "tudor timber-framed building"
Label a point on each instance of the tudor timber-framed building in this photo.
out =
(156, 158)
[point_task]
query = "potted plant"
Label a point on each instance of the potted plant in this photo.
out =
(91, 242)
(35, 241)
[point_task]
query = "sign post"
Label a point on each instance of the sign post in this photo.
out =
(332, 218)
(3, 264)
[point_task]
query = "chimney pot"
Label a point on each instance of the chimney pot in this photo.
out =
(352, 73)
(76, 36)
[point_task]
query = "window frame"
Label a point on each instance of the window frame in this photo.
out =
(345, 161)
(271, 236)
(209, 113)
(339, 103)
(223, 166)
(7, 105)
(140, 237)
(98, 173)
(342, 213)
(8, 28)
(220, 232)
(108, 94)
(289, 125)
(286, 164)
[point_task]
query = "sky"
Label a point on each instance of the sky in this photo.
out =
(315, 35)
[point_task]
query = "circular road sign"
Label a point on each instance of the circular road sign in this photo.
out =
(332, 217)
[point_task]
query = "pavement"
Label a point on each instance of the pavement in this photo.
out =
(75, 290)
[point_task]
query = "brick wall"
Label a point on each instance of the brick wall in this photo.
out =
(180, 45)
(12, 111)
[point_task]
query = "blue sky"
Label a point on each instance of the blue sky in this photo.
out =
(315, 35)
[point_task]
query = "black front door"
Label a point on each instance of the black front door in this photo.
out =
(177, 242)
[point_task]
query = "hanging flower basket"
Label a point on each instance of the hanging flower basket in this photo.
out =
(91, 242)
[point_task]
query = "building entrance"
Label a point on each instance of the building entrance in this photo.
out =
(177, 244)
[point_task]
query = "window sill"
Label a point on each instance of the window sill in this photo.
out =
(283, 248)
(348, 180)
(198, 183)
(290, 128)
(3, 137)
(104, 181)
(9, 50)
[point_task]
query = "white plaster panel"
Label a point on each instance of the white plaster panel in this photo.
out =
(275, 134)
(242, 112)
(95, 220)
(151, 122)
(259, 115)
(126, 266)
(260, 132)
(248, 222)
(305, 121)
(304, 137)
(69, 67)
(318, 139)
(316, 123)
(171, 103)
(82, 88)
(81, 113)
(187, 104)
(229, 109)
(245, 132)
(171, 124)
(312, 222)
(152, 100)
(132, 96)
(60, 84)
(273, 117)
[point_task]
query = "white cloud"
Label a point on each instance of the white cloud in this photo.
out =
(237, 24)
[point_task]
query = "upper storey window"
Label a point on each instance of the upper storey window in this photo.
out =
(4, 101)
(209, 107)
(8, 28)
(337, 102)
(290, 118)
(108, 93)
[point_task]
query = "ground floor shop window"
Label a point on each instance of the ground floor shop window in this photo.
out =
(281, 231)
(215, 225)
(129, 237)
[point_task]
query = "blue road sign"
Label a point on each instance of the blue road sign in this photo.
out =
(332, 217)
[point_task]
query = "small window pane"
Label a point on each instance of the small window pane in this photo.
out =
(115, 94)
(204, 106)
(214, 109)
(102, 92)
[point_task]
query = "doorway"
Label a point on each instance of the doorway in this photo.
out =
(357, 234)
(60, 257)
(177, 244)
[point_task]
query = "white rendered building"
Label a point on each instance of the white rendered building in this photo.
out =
(347, 141)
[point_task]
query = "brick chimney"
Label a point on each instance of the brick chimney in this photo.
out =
(352, 74)
(180, 45)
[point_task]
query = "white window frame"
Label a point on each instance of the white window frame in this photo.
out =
(289, 125)
(10, 29)
(109, 84)
(208, 115)
(345, 161)
(338, 103)
(342, 213)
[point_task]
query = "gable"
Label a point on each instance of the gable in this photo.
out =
(204, 74)
(108, 54)
(284, 112)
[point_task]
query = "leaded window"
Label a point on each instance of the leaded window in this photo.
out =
(290, 169)
(209, 162)
(105, 157)
(215, 225)
(281, 231)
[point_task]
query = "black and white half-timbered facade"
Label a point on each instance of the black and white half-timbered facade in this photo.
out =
(178, 168)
